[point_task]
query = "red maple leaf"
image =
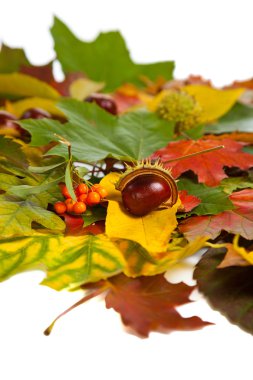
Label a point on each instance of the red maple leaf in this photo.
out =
(207, 166)
(237, 221)
(189, 202)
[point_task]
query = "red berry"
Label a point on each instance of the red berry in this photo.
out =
(102, 192)
(60, 207)
(82, 198)
(145, 193)
(93, 198)
(69, 202)
(79, 208)
(103, 101)
(82, 188)
(36, 113)
(65, 191)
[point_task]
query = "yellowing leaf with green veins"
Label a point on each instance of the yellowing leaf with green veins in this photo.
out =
(16, 218)
(21, 85)
(83, 87)
(19, 107)
(214, 103)
(140, 262)
(151, 231)
(68, 261)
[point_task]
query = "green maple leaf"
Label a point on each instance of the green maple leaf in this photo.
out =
(213, 199)
(11, 59)
(94, 134)
(106, 59)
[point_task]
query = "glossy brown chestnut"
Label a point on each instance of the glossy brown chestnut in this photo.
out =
(103, 101)
(8, 125)
(145, 193)
(36, 113)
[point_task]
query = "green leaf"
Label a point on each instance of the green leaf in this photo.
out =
(11, 59)
(213, 199)
(69, 261)
(228, 290)
(68, 180)
(233, 183)
(16, 217)
(21, 85)
(106, 59)
(93, 215)
(94, 134)
(238, 119)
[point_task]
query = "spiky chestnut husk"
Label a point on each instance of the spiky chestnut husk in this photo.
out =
(181, 108)
(146, 187)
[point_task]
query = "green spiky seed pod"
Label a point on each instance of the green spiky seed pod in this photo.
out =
(181, 108)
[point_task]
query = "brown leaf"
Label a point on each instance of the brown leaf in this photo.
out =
(232, 258)
(148, 304)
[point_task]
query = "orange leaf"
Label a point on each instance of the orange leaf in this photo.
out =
(208, 166)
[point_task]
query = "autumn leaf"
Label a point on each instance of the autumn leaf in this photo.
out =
(151, 231)
(106, 59)
(140, 262)
(16, 217)
(11, 59)
(81, 88)
(133, 136)
(188, 201)
(43, 72)
(68, 261)
(238, 119)
(236, 221)
(228, 290)
(214, 103)
(209, 167)
(21, 85)
(234, 183)
(148, 304)
(235, 255)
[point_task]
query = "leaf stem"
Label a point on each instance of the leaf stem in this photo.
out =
(194, 154)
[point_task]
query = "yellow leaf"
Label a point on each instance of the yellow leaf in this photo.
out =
(140, 262)
(152, 231)
(83, 87)
(108, 182)
(23, 85)
(19, 107)
(214, 103)
(68, 260)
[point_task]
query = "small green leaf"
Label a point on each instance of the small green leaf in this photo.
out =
(94, 215)
(68, 180)
(233, 183)
(213, 199)
(106, 59)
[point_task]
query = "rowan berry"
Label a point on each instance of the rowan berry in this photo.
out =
(82, 198)
(93, 198)
(69, 202)
(82, 188)
(79, 208)
(65, 192)
(60, 207)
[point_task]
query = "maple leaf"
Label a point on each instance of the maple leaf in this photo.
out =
(43, 73)
(152, 231)
(95, 134)
(105, 59)
(68, 261)
(207, 166)
(188, 201)
(148, 304)
(228, 290)
(236, 221)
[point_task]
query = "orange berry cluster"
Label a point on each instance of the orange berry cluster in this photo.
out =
(86, 196)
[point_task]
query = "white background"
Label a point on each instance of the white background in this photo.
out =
(211, 38)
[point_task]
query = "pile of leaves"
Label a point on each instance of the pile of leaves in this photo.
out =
(107, 251)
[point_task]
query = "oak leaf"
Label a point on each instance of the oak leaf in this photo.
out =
(236, 221)
(207, 166)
